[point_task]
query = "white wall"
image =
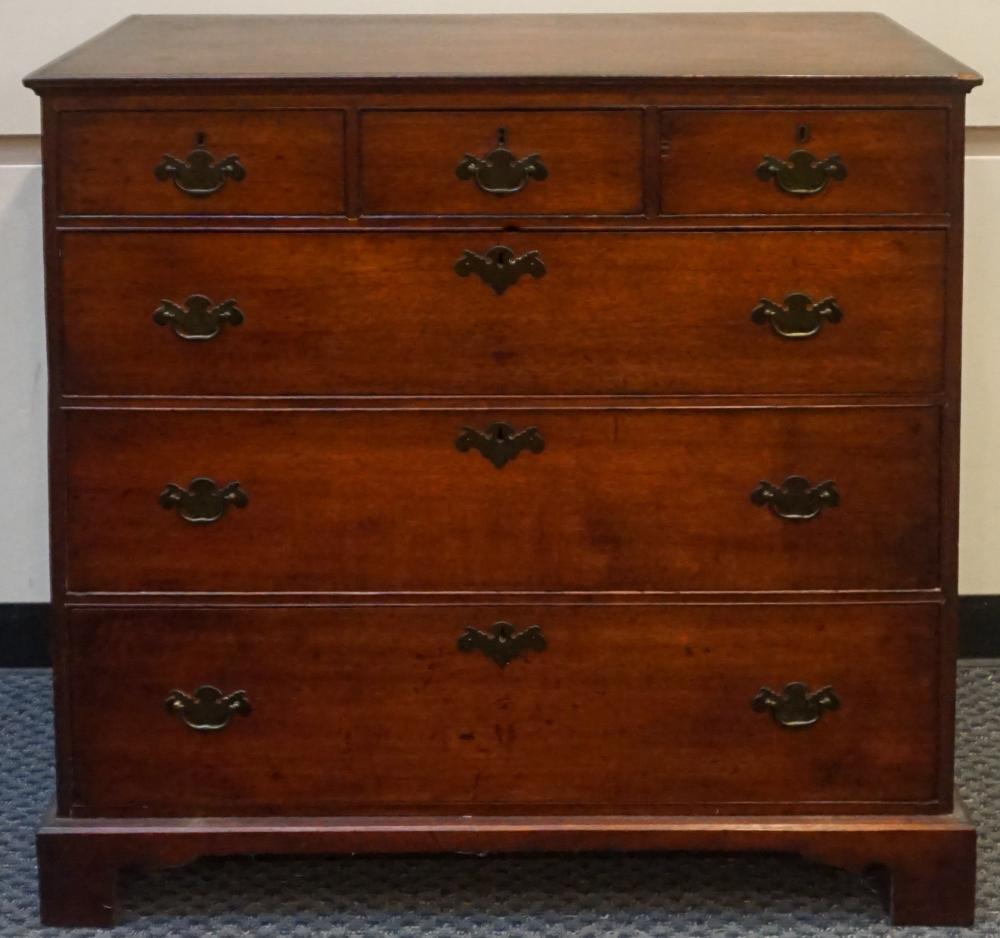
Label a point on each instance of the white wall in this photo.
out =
(979, 519)
(30, 34)
(23, 505)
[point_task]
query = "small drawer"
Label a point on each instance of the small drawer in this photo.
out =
(748, 162)
(281, 162)
(501, 162)
(453, 500)
(582, 708)
(776, 312)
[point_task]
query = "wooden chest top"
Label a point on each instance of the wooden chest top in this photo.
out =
(765, 47)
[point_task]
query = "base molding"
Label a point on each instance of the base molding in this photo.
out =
(929, 861)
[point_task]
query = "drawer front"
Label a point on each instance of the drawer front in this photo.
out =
(780, 161)
(522, 500)
(501, 162)
(596, 707)
(202, 162)
(613, 313)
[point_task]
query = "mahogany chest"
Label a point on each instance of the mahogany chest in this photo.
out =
(504, 433)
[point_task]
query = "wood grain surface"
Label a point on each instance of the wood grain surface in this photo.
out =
(294, 162)
(789, 47)
(896, 160)
(640, 499)
(593, 159)
(628, 708)
(615, 313)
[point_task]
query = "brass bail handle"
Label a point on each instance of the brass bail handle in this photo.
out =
(500, 172)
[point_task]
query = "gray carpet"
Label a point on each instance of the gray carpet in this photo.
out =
(587, 896)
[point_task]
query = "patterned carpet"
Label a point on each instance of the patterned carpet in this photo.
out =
(586, 896)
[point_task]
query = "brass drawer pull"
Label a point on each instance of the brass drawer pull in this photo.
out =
(499, 266)
(203, 501)
(503, 644)
(500, 443)
(795, 499)
(795, 708)
(500, 172)
(208, 708)
(198, 319)
(802, 173)
(199, 175)
(799, 317)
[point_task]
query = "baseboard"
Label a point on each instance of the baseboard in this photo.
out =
(24, 631)
(979, 626)
(24, 635)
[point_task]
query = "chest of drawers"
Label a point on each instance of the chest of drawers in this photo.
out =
(504, 433)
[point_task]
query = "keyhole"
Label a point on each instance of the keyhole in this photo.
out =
(200, 138)
(802, 133)
(501, 136)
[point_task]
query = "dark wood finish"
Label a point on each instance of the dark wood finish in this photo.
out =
(56, 441)
(354, 483)
(294, 162)
(619, 499)
(385, 313)
(594, 162)
(630, 708)
(785, 47)
(26, 628)
(930, 861)
(896, 160)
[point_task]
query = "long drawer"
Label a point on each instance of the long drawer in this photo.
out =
(453, 500)
(334, 313)
(313, 710)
